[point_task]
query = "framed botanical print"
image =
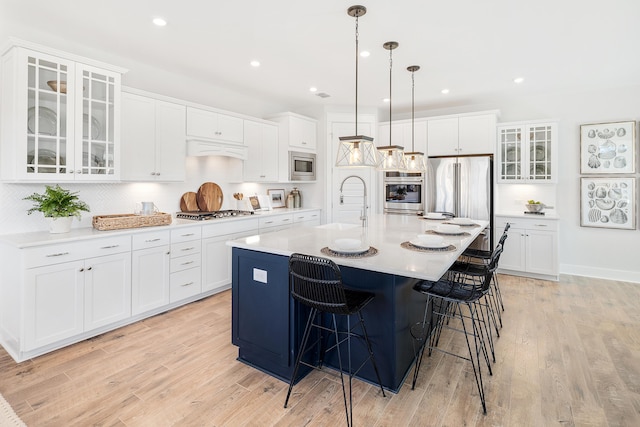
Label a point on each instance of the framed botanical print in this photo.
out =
(608, 202)
(607, 148)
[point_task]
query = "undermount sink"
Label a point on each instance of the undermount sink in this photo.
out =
(338, 226)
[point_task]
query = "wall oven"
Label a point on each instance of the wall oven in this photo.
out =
(404, 193)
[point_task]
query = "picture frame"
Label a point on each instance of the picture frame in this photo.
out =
(255, 202)
(608, 148)
(607, 202)
(277, 198)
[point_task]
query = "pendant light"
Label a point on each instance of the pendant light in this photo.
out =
(414, 160)
(391, 156)
(357, 150)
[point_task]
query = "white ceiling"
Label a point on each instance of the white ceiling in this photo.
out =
(473, 47)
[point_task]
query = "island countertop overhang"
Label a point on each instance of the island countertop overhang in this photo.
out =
(385, 233)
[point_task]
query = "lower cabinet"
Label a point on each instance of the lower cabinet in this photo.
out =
(275, 222)
(185, 273)
(308, 218)
(150, 271)
(531, 248)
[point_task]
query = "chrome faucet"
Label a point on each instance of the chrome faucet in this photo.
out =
(363, 217)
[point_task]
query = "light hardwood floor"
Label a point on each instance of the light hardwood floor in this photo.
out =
(569, 354)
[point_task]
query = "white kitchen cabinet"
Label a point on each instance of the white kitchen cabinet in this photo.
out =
(531, 248)
(60, 117)
(296, 132)
(153, 139)
(150, 271)
(216, 255)
(307, 218)
(275, 222)
(75, 287)
(401, 134)
(527, 152)
(261, 140)
(185, 273)
(461, 135)
(212, 125)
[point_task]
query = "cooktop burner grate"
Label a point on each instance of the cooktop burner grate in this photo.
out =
(203, 216)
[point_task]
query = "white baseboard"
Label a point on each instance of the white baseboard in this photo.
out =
(600, 273)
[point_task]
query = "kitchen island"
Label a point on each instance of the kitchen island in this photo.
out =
(268, 324)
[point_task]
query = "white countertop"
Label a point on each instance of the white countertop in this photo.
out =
(384, 232)
(38, 238)
(520, 214)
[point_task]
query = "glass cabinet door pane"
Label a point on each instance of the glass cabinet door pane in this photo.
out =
(510, 153)
(540, 152)
(47, 116)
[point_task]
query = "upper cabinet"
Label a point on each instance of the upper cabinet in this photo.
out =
(412, 138)
(212, 125)
(462, 135)
(60, 117)
(527, 152)
(153, 139)
(261, 140)
(296, 132)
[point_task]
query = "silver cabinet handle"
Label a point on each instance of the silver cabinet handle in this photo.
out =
(187, 284)
(188, 249)
(152, 240)
(187, 235)
(109, 247)
(541, 225)
(58, 254)
(187, 263)
(286, 219)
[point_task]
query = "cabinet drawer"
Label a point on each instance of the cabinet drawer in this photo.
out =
(151, 240)
(230, 227)
(55, 254)
(306, 216)
(185, 248)
(186, 234)
(184, 284)
(528, 223)
(275, 221)
(184, 262)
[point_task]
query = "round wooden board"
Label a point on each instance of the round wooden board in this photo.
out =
(209, 197)
(188, 202)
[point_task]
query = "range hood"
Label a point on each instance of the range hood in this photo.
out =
(199, 147)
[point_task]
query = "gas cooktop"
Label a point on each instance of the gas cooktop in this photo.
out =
(203, 216)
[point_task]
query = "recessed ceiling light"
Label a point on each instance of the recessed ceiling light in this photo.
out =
(255, 63)
(313, 89)
(365, 53)
(160, 22)
(518, 80)
(444, 91)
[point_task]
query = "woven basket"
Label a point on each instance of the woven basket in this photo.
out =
(116, 222)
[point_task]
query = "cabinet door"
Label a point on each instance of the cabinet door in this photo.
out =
(54, 303)
(216, 263)
(302, 133)
(540, 139)
(270, 151)
(44, 121)
(476, 134)
(138, 137)
(97, 127)
(513, 256)
(107, 290)
(202, 123)
(414, 138)
(541, 252)
(230, 129)
(442, 137)
(149, 279)
(170, 141)
(252, 166)
(510, 155)
(398, 132)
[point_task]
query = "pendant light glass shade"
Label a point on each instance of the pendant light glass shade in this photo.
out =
(391, 157)
(357, 150)
(414, 160)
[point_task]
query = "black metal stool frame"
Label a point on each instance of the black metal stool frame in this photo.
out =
(317, 283)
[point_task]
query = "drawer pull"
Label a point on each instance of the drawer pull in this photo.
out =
(541, 225)
(187, 263)
(187, 284)
(286, 219)
(152, 240)
(187, 235)
(188, 249)
(58, 254)
(268, 222)
(109, 247)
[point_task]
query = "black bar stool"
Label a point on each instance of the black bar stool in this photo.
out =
(316, 282)
(452, 292)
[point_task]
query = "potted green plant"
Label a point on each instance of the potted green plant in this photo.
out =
(60, 205)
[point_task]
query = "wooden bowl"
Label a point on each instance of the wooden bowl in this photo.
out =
(53, 84)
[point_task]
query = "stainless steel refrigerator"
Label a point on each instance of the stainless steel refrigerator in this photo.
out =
(463, 186)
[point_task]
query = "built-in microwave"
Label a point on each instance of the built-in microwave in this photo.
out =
(302, 166)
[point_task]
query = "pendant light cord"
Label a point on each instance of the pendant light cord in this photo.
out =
(357, 54)
(390, 66)
(413, 131)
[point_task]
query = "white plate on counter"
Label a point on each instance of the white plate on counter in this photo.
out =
(428, 245)
(462, 221)
(449, 230)
(434, 215)
(348, 246)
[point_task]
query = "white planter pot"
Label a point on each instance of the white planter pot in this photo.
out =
(60, 225)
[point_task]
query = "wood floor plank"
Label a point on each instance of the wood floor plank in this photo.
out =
(567, 355)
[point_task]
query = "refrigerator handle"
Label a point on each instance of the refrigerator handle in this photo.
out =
(456, 188)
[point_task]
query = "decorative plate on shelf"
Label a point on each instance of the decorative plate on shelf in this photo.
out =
(47, 121)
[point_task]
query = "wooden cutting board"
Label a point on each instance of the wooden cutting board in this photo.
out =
(209, 197)
(188, 202)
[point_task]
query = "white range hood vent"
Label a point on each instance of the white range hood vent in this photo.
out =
(199, 147)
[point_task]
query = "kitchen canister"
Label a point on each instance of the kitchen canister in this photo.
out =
(297, 197)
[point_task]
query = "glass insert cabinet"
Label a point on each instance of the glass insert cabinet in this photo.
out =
(527, 152)
(60, 117)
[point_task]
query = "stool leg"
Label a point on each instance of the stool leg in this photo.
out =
(344, 393)
(303, 345)
(373, 358)
(477, 370)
